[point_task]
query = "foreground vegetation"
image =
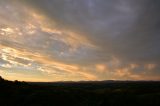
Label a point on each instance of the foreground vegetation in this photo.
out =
(104, 93)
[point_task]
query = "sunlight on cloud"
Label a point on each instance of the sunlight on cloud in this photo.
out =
(150, 66)
(28, 42)
(101, 67)
(125, 74)
(17, 58)
(73, 44)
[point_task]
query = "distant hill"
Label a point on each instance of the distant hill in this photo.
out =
(90, 93)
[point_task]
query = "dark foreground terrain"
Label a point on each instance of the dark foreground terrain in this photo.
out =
(104, 93)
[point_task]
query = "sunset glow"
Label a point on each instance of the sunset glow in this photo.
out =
(74, 40)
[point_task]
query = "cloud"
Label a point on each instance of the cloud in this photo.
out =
(26, 60)
(118, 27)
(82, 39)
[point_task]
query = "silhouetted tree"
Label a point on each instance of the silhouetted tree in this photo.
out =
(17, 82)
(1, 79)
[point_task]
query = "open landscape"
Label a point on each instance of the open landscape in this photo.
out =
(91, 93)
(80, 52)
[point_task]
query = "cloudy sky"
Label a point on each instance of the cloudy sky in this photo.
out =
(63, 40)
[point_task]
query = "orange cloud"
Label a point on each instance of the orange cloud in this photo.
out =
(150, 66)
(101, 67)
(46, 64)
(125, 74)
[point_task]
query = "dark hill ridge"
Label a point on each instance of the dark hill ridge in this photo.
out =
(89, 93)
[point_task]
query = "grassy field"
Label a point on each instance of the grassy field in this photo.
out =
(95, 93)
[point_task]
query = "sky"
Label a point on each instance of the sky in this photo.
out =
(75, 40)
